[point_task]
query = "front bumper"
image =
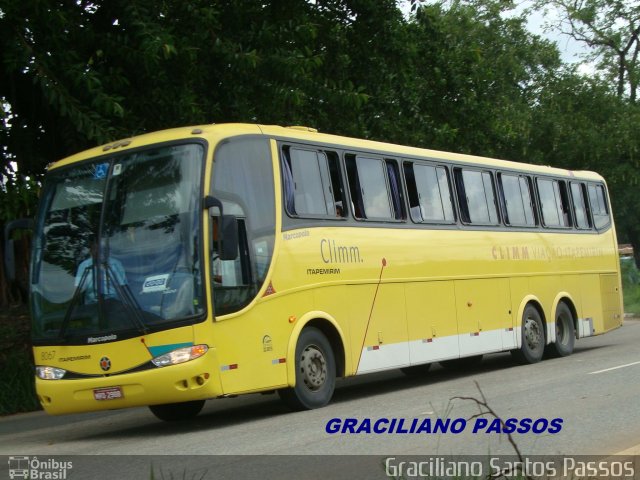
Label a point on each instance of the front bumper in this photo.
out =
(194, 380)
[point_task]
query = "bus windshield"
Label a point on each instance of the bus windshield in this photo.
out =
(117, 246)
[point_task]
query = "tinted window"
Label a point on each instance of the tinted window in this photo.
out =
(554, 203)
(599, 208)
(429, 193)
(580, 205)
(393, 173)
(477, 198)
(307, 178)
(517, 198)
(369, 191)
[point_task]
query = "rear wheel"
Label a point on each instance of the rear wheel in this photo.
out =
(532, 337)
(173, 412)
(315, 372)
(565, 333)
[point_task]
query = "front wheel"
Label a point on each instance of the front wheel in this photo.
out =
(532, 337)
(173, 412)
(315, 372)
(565, 333)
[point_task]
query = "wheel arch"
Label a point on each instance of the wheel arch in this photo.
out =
(330, 328)
(537, 304)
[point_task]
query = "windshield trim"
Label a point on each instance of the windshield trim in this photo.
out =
(134, 331)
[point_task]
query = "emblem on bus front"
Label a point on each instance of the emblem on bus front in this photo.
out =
(105, 364)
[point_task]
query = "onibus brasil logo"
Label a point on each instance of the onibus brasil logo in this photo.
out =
(33, 469)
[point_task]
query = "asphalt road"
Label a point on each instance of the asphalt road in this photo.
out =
(600, 412)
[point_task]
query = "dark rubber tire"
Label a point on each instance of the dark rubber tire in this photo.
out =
(174, 412)
(533, 337)
(315, 372)
(565, 333)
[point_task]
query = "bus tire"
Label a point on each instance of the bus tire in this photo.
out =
(174, 412)
(315, 372)
(533, 341)
(416, 370)
(565, 333)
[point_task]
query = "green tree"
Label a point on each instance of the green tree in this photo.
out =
(480, 74)
(580, 123)
(611, 30)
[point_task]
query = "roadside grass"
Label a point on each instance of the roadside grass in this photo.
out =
(630, 286)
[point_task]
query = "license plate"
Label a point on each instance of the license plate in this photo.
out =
(109, 393)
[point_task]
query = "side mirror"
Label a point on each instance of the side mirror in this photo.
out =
(9, 253)
(227, 229)
(229, 237)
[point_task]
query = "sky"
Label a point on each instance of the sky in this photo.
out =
(570, 50)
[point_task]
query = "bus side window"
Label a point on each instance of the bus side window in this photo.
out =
(530, 213)
(429, 193)
(397, 200)
(462, 196)
(516, 200)
(599, 207)
(354, 186)
(336, 184)
(311, 183)
(413, 197)
(287, 180)
(578, 196)
(554, 202)
(369, 191)
(564, 203)
(476, 197)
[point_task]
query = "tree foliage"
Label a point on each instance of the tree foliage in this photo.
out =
(456, 75)
(611, 30)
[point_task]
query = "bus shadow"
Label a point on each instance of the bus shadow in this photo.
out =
(389, 382)
(396, 380)
(213, 417)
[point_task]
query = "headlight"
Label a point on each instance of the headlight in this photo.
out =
(180, 355)
(50, 373)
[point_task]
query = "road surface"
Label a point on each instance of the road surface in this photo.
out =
(595, 392)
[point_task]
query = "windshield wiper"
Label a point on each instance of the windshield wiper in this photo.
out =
(74, 300)
(128, 300)
(123, 292)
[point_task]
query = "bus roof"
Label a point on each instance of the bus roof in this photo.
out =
(215, 132)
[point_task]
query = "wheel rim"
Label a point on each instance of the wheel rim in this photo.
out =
(313, 367)
(532, 333)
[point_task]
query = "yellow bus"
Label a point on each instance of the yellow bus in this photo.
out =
(219, 260)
